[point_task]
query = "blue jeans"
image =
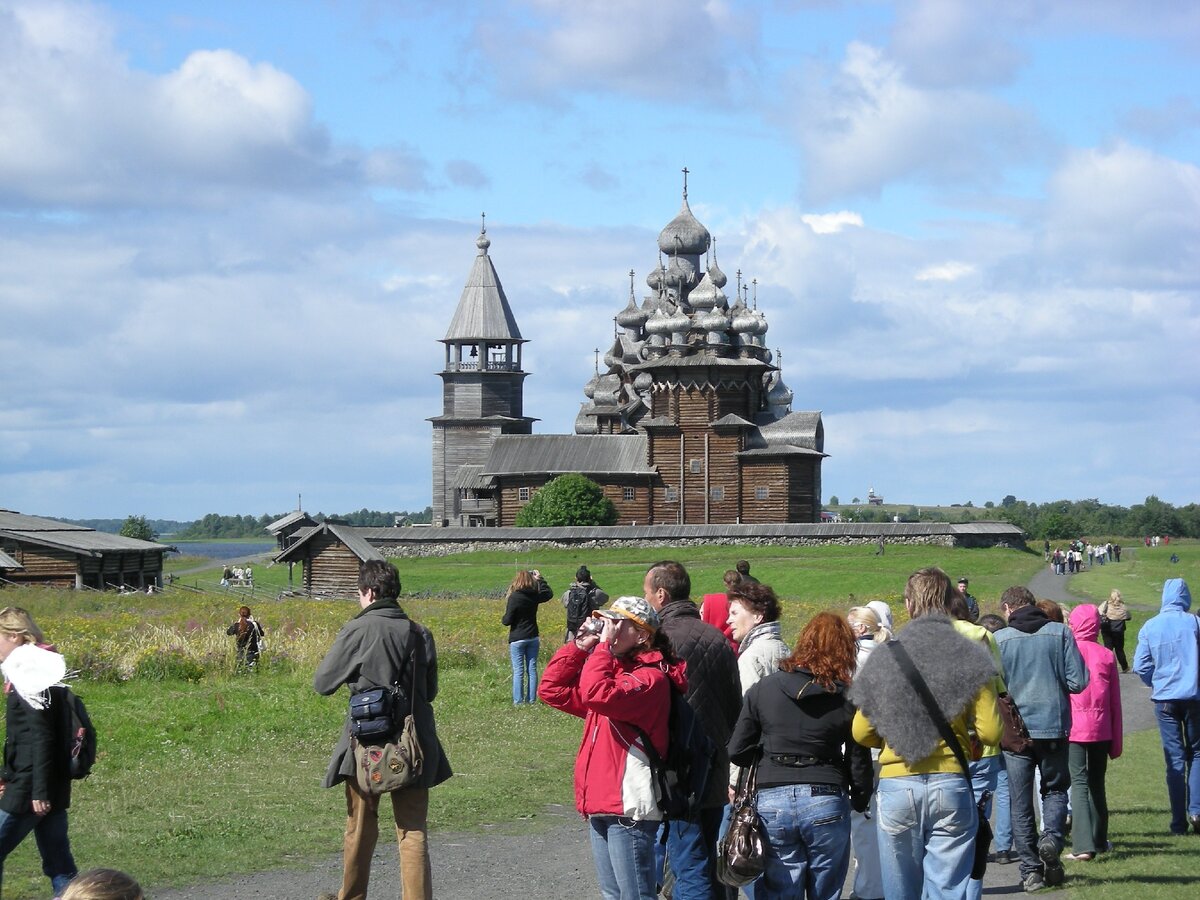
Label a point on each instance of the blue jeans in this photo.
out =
(623, 850)
(1050, 758)
(1002, 838)
(50, 831)
(808, 841)
(1179, 727)
(927, 827)
(524, 656)
(984, 773)
(691, 854)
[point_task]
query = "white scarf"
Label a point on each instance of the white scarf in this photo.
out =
(32, 671)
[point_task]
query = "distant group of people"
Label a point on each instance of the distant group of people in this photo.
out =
(237, 575)
(1069, 560)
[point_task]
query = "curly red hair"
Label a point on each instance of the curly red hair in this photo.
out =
(826, 648)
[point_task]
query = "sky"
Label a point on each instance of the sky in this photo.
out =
(232, 234)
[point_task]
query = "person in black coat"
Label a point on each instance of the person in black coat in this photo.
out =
(715, 694)
(527, 592)
(35, 783)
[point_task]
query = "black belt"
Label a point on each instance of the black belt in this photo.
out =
(799, 762)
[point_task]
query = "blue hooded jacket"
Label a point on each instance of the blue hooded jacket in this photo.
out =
(1168, 647)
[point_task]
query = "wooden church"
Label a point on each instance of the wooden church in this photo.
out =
(688, 423)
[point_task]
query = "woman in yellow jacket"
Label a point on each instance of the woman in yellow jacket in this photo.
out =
(927, 818)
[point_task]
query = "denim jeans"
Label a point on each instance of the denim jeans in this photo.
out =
(1002, 838)
(50, 831)
(926, 827)
(864, 842)
(1049, 757)
(691, 854)
(984, 773)
(623, 851)
(1089, 826)
(808, 841)
(1179, 727)
(524, 656)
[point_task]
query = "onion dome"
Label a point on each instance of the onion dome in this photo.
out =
(703, 295)
(680, 322)
(743, 320)
(589, 389)
(680, 272)
(483, 242)
(714, 271)
(684, 234)
(642, 382)
(780, 395)
(658, 323)
(631, 317)
(713, 321)
(760, 322)
(657, 277)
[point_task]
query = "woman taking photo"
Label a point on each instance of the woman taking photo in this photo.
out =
(796, 722)
(619, 682)
(527, 591)
(35, 783)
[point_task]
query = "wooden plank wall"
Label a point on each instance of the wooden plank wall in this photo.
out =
(330, 568)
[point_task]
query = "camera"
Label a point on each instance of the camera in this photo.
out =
(593, 625)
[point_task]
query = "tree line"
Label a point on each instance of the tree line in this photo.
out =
(215, 526)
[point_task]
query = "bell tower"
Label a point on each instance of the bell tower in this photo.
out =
(482, 395)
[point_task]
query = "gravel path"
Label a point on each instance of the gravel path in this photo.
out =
(554, 861)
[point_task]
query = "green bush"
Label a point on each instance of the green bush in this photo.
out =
(171, 663)
(567, 500)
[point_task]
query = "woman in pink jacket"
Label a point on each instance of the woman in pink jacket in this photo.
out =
(1095, 736)
(619, 682)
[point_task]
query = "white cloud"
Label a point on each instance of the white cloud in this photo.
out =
(831, 223)
(951, 43)
(674, 50)
(947, 271)
(865, 126)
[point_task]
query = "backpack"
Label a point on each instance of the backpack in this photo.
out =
(579, 604)
(681, 778)
(77, 735)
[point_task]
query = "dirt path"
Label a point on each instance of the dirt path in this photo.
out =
(555, 861)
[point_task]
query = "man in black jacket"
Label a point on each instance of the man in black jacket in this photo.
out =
(714, 693)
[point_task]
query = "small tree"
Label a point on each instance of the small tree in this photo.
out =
(856, 501)
(1008, 501)
(834, 501)
(989, 505)
(137, 527)
(567, 500)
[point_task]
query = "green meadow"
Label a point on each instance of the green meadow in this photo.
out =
(198, 762)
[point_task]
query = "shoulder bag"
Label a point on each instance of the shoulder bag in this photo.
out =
(741, 853)
(386, 757)
(1014, 736)
(983, 832)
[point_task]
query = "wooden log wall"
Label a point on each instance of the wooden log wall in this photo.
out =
(330, 568)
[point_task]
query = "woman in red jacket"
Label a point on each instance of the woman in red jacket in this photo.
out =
(619, 681)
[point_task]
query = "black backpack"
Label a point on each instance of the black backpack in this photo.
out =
(681, 778)
(579, 605)
(77, 735)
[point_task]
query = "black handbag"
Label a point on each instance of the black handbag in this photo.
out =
(983, 833)
(741, 853)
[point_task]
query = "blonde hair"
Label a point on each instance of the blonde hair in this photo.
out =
(524, 580)
(1115, 596)
(103, 884)
(14, 620)
(868, 618)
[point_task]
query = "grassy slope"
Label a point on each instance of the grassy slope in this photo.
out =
(190, 774)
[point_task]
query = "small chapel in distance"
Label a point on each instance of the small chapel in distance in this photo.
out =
(689, 423)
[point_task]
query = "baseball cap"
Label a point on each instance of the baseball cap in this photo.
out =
(634, 608)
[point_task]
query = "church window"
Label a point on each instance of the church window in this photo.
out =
(697, 466)
(717, 493)
(522, 494)
(672, 495)
(627, 493)
(762, 493)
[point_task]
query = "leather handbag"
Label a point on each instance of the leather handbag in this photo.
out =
(1014, 737)
(983, 831)
(741, 853)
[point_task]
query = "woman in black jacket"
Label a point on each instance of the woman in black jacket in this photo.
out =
(527, 591)
(35, 784)
(796, 723)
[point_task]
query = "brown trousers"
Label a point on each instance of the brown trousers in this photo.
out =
(410, 808)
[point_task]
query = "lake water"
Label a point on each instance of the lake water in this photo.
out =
(223, 549)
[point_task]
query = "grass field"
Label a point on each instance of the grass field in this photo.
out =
(197, 763)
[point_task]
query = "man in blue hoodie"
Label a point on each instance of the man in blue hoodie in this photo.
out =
(1168, 660)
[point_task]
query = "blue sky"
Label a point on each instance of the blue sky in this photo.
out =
(231, 234)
